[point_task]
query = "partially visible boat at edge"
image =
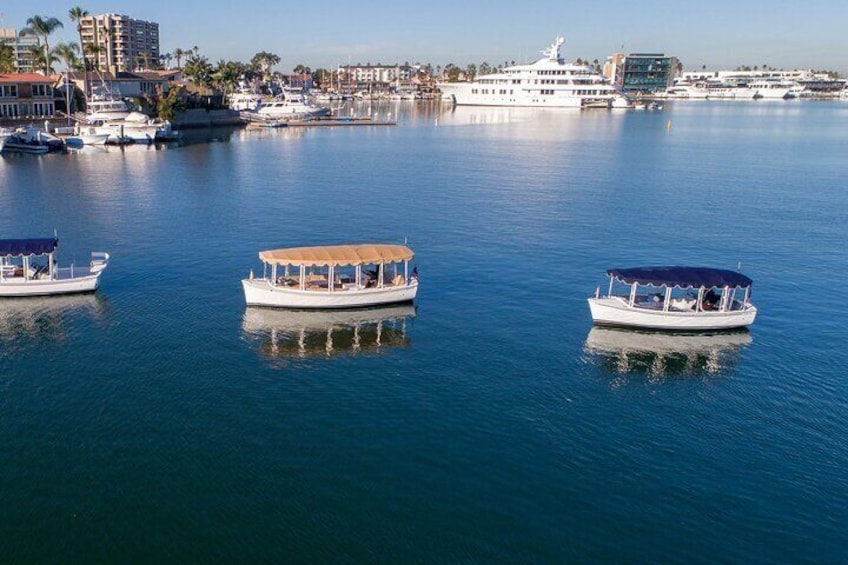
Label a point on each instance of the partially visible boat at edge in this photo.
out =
(675, 298)
(22, 275)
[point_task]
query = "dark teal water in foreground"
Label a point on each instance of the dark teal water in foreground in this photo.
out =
(161, 420)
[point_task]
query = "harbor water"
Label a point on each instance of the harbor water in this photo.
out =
(161, 420)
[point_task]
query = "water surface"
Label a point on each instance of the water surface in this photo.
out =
(161, 419)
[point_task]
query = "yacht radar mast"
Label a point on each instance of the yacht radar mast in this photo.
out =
(553, 51)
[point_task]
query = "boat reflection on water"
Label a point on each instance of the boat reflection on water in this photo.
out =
(663, 354)
(27, 321)
(301, 334)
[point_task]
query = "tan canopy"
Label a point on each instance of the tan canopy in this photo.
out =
(338, 255)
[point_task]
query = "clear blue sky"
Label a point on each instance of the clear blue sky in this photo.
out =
(326, 33)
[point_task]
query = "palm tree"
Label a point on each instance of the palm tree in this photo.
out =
(76, 14)
(178, 55)
(67, 53)
(39, 26)
(226, 75)
(43, 60)
(199, 70)
(7, 58)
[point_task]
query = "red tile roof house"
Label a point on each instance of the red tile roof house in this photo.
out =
(26, 96)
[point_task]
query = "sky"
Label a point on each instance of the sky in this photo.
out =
(719, 34)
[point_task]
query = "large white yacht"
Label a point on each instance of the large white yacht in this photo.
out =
(549, 82)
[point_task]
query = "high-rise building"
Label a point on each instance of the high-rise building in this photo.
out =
(122, 43)
(22, 46)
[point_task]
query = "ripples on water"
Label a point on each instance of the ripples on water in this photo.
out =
(161, 417)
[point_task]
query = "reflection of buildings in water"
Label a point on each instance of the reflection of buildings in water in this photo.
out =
(665, 354)
(45, 318)
(303, 334)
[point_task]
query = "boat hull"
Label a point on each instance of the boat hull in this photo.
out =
(614, 312)
(258, 292)
(461, 94)
(13, 287)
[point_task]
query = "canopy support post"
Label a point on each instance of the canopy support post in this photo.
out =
(699, 305)
(633, 294)
(274, 274)
(406, 271)
(331, 277)
(358, 276)
(302, 277)
(667, 301)
(380, 273)
(609, 292)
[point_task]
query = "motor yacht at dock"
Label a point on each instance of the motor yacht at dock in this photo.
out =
(550, 82)
(114, 119)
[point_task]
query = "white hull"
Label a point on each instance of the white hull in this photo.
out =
(258, 292)
(461, 95)
(772, 93)
(20, 287)
(615, 312)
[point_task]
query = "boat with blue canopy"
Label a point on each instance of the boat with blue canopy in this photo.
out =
(28, 267)
(675, 298)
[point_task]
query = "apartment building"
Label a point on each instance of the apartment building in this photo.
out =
(22, 45)
(123, 43)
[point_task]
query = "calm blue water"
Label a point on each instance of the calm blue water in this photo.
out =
(161, 420)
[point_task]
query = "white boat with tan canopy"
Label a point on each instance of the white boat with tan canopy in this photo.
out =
(334, 276)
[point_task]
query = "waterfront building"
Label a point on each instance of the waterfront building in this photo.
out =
(124, 84)
(645, 73)
(22, 45)
(124, 44)
(368, 76)
(25, 96)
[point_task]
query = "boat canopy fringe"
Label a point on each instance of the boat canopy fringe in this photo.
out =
(338, 255)
(681, 277)
(18, 247)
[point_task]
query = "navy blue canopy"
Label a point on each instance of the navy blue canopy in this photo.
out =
(683, 277)
(39, 246)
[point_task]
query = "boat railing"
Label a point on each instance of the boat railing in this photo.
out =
(73, 272)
